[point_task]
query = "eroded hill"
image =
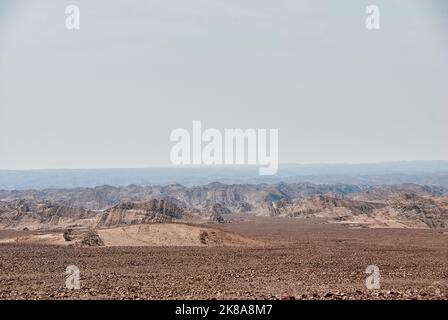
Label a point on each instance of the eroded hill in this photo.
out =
(402, 206)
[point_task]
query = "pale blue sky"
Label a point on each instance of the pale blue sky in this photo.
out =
(109, 94)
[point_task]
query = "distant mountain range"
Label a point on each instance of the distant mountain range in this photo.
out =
(419, 172)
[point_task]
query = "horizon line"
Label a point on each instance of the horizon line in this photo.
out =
(224, 166)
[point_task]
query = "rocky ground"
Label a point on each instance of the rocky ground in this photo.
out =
(302, 259)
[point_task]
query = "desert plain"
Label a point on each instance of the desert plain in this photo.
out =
(220, 241)
(249, 257)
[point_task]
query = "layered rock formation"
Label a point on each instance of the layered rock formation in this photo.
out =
(405, 205)
(140, 213)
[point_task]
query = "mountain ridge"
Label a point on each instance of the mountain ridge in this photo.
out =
(405, 205)
(420, 172)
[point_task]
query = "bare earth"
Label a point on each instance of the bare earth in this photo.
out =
(249, 258)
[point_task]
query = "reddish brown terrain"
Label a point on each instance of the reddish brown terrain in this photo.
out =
(290, 259)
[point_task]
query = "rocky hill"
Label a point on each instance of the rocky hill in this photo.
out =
(408, 210)
(241, 197)
(26, 214)
(406, 205)
(140, 213)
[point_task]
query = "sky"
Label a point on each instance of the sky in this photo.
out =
(109, 95)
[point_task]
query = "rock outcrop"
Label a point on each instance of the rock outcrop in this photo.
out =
(140, 212)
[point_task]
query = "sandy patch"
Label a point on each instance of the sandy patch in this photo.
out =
(47, 239)
(172, 234)
(157, 234)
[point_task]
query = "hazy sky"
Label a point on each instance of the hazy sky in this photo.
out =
(110, 94)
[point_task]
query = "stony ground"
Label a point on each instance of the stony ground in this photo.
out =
(302, 259)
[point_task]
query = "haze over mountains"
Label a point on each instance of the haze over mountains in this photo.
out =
(407, 194)
(420, 172)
